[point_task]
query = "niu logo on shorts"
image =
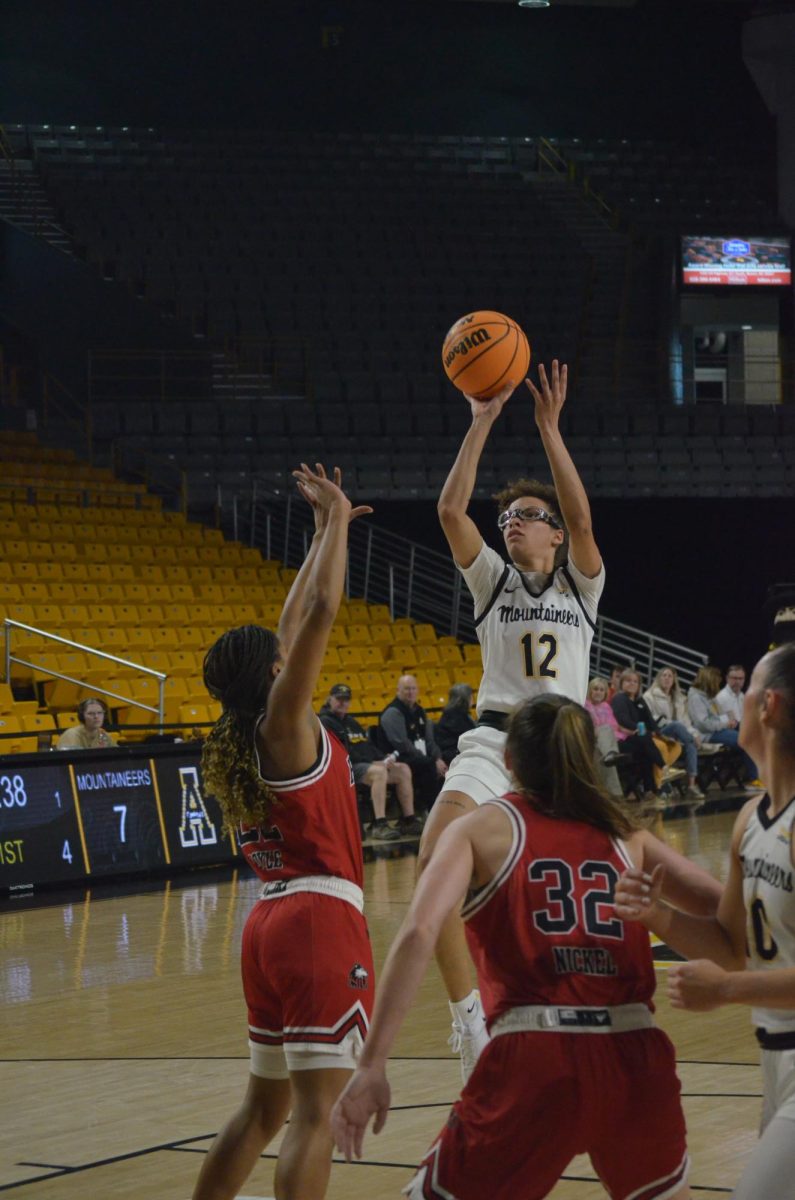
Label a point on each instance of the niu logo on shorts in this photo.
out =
(358, 977)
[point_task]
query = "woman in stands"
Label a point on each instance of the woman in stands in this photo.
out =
(454, 721)
(90, 734)
(714, 726)
(285, 785)
(667, 705)
(754, 927)
(575, 1062)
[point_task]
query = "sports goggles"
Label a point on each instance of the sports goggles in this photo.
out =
(526, 514)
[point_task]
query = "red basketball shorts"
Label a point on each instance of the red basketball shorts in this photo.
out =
(308, 980)
(535, 1100)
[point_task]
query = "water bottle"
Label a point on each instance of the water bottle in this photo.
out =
(641, 729)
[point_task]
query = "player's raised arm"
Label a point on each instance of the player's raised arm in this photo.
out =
(293, 609)
(288, 735)
(461, 532)
(549, 400)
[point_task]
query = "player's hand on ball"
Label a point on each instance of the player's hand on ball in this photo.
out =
(699, 985)
(367, 1093)
(491, 408)
(637, 893)
(551, 396)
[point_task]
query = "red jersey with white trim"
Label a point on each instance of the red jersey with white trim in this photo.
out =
(314, 826)
(544, 931)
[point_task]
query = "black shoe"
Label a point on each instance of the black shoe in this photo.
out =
(614, 757)
(380, 831)
(410, 826)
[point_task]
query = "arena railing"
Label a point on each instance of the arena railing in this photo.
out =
(10, 626)
(422, 584)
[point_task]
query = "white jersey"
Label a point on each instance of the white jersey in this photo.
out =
(769, 895)
(535, 630)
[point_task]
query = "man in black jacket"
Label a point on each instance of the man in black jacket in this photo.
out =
(405, 728)
(372, 768)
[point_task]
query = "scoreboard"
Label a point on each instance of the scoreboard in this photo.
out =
(77, 816)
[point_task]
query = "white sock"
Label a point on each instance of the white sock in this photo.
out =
(468, 1009)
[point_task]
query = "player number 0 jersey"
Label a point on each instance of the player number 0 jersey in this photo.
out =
(535, 631)
(768, 882)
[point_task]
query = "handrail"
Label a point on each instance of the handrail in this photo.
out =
(10, 624)
(550, 156)
(420, 583)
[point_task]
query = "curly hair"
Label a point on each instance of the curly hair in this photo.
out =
(516, 488)
(552, 748)
(236, 672)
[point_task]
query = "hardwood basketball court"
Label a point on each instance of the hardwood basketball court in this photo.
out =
(123, 1047)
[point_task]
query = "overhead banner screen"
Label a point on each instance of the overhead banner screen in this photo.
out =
(736, 261)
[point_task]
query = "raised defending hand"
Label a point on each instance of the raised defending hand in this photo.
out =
(698, 985)
(320, 500)
(637, 893)
(491, 408)
(367, 1093)
(551, 397)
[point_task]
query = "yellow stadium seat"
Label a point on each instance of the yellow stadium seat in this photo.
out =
(138, 638)
(16, 550)
(379, 614)
(149, 572)
(6, 697)
(195, 720)
(151, 614)
(372, 681)
(331, 658)
(37, 722)
(181, 662)
(351, 656)
(164, 637)
(403, 657)
(381, 634)
(402, 632)
(450, 655)
(182, 592)
(9, 725)
(424, 633)
(373, 655)
(358, 634)
(126, 614)
(469, 673)
(439, 680)
(427, 654)
(10, 593)
(472, 652)
(191, 637)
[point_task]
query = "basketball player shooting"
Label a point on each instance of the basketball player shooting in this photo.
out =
(535, 616)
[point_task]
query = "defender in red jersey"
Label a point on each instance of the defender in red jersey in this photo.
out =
(287, 786)
(575, 1064)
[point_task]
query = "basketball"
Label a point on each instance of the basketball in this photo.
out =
(483, 351)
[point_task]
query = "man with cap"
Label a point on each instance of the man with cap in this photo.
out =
(371, 767)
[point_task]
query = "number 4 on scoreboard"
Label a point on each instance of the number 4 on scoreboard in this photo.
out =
(66, 853)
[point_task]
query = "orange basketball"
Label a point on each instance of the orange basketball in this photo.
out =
(483, 351)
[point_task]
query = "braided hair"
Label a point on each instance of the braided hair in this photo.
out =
(237, 672)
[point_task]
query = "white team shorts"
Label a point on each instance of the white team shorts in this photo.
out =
(478, 770)
(778, 1090)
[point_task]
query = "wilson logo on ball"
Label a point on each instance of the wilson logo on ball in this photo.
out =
(476, 338)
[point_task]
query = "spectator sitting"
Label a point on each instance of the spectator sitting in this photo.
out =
(715, 726)
(631, 710)
(403, 726)
(454, 721)
(730, 699)
(614, 684)
(607, 734)
(667, 705)
(370, 767)
(89, 734)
